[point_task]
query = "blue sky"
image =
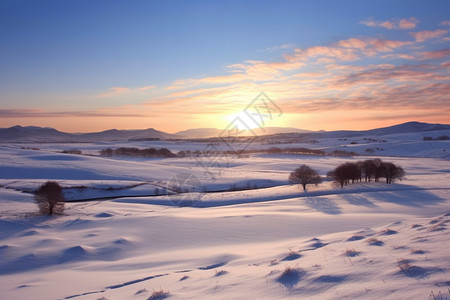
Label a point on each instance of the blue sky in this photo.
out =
(94, 65)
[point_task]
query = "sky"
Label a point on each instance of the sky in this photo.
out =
(92, 65)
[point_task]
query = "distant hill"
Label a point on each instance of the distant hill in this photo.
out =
(408, 127)
(33, 134)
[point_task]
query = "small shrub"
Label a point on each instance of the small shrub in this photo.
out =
(49, 198)
(291, 276)
(72, 151)
(351, 253)
(141, 291)
(292, 255)
(220, 273)
(374, 242)
(417, 251)
(158, 295)
(404, 265)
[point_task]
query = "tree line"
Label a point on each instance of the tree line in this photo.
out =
(136, 152)
(350, 172)
(370, 169)
(164, 152)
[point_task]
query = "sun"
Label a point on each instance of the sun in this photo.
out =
(242, 121)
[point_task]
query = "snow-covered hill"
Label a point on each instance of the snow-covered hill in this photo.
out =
(246, 234)
(33, 134)
(367, 241)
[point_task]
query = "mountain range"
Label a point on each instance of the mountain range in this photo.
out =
(34, 134)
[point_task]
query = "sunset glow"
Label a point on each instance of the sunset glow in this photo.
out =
(82, 66)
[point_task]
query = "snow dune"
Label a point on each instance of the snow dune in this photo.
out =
(272, 241)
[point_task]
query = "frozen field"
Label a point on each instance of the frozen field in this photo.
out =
(249, 235)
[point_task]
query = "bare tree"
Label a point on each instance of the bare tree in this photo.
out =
(368, 169)
(378, 169)
(392, 172)
(304, 175)
(49, 198)
(345, 173)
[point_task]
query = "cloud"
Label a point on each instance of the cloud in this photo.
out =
(148, 87)
(36, 113)
(422, 36)
(398, 56)
(120, 90)
(409, 23)
(349, 49)
(390, 73)
(438, 54)
(258, 71)
(445, 23)
(250, 70)
(278, 48)
(114, 91)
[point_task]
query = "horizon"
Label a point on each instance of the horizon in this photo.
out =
(255, 129)
(80, 66)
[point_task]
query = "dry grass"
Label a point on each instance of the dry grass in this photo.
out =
(404, 265)
(158, 295)
(351, 252)
(417, 251)
(374, 242)
(220, 273)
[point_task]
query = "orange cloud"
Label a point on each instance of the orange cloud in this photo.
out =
(410, 23)
(398, 55)
(435, 54)
(259, 71)
(422, 36)
(148, 87)
(119, 90)
(114, 91)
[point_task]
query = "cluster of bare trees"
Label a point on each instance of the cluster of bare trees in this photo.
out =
(350, 172)
(371, 169)
(136, 152)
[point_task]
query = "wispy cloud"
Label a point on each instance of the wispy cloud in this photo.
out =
(351, 49)
(399, 56)
(409, 23)
(37, 113)
(145, 88)
(120, 90)
(279, 48)
(114, 91)
(438, 54)
(445, 23)
(422, 36)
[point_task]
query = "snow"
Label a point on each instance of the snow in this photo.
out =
(249, 236)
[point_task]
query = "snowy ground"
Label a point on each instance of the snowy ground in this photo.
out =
(267, 240)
